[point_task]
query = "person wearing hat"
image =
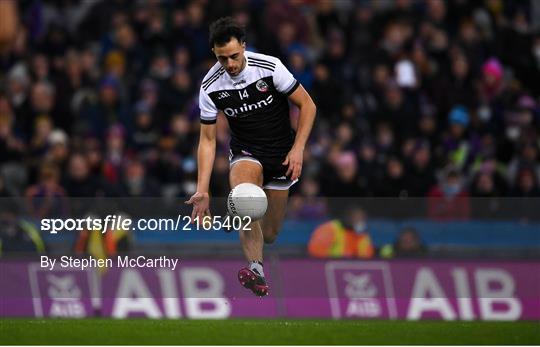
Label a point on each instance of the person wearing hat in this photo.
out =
(456, 146)
(492, 79)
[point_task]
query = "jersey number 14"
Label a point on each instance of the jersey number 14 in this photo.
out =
(243, 94)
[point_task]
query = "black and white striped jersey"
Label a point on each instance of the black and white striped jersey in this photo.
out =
(254, 102)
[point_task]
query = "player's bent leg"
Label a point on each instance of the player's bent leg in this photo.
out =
(275, 213)
(247, 171)
(252, 277)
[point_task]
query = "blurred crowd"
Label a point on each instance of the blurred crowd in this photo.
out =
(435, 98)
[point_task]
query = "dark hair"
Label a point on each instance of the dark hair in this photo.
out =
(223, 30)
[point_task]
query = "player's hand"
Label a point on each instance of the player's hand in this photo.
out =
(201, 205)
(294, 159)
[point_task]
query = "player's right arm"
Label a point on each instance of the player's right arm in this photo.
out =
(205, 156)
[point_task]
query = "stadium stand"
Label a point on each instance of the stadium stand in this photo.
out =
(424, 99)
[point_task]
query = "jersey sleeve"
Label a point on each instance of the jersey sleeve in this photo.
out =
(209, 110)
(284, 81)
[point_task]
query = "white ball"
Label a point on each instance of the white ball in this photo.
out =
(247, 200)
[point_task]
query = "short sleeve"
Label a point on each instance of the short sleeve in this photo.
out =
(208, 108)
(284, 81)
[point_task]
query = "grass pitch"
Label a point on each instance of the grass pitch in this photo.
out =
(263, 332)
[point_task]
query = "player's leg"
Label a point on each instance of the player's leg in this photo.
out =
(251, 277)
(276, 185)
(247, 171)
(273, 219)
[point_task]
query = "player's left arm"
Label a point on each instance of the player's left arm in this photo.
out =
(305, 104)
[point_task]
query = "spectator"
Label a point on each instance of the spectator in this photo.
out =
(398, 109)
(488, 166)
(449, 200)
(487, 204)
(347, 237)
(58, 149)
(108, 110)
(484, 186)
(456, 89)
(181, 89)
(43, 128)
(369, 167)
(526, 192)
(300, 68)
(47, 197)
(308, 204)
(492, 80)
(79, 182)
(394, 182)
(114, 154)
(407, 245)
(102, 245)
(527, 157)
(135, 181)
(94, 157)
(420, 173)
(11, 147)
(427, 129)
(17, 236)
(42, 103)
(385, 141)
(145, 135)
(19, 84)
(82, 89)
(526, 184)
(326, 92)
(344, 179)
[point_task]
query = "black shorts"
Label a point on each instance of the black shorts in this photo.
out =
(273, 169)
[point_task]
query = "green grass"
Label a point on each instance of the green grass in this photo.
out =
(260, 332)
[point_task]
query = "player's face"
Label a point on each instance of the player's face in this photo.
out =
(231, 56)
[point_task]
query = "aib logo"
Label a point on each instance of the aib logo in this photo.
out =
(360, 290)
(359, 286)
(61, 293)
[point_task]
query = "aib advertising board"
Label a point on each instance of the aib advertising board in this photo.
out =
(335, 289)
